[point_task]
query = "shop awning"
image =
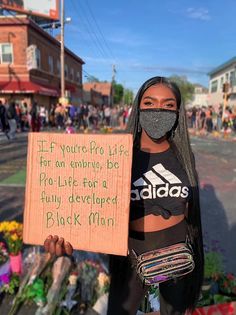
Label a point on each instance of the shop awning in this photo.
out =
(22, 87)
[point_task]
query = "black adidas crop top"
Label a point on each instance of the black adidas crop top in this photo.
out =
(159, 185)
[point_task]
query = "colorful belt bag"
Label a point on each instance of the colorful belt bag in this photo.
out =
(164, 264)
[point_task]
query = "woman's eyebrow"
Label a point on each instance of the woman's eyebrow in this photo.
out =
(169, 99)
(152, 98)
(163, 100)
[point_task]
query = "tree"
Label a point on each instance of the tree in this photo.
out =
(118, 92)
(186, 87)
(128, 96)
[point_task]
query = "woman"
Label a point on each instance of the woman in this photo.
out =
(162, 163)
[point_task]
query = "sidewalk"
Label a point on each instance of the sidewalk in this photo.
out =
(223, 136)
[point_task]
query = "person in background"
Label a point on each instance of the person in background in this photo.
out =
(60, 116)
(42, 116)
(107, 115)
(51, 117)
(209, 124)
(24, 117)
(202, 118)
(18, 117)
(35, 118)
(12, 120)
(193, 117)
(3, 120)
(219, 119)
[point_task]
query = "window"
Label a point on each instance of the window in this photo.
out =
(72, 74)
(221, 82)
(50, 64)
(66, 71)
(6, 54)
(38, 58)
(58, 67)
(227, 77)
(214, 86)
(78, 77)
(232, 77)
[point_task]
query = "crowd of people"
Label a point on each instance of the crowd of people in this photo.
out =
(211, 119)
(16, 117)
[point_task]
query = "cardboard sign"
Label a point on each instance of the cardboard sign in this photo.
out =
(78, 187)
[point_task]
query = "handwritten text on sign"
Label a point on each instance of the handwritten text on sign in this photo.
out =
(78, 187)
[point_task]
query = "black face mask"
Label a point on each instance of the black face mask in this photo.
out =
(157, 122)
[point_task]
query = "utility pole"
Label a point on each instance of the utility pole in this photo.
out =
(62, 49)
(112, 84)
(113, 73)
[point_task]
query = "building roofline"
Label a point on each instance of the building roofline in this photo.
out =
(24, 20)
(222, 66)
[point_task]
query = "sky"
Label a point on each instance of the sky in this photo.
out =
(153, 37)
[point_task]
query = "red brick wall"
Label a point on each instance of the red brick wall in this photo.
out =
(51, 49)
(22, 34)
(17, 35)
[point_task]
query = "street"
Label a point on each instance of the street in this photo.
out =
(215, 161)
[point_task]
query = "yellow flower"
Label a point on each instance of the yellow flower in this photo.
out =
(10, 226)
(103, 279)
(14, 237)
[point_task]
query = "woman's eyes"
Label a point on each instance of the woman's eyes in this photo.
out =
(148, 103)
(169, 105)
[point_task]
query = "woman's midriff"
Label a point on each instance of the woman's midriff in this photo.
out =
(152, 223)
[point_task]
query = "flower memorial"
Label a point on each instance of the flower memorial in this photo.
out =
(12, 233)
(75, 285)
(13, 236)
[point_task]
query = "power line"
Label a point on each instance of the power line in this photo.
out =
(99, 29)
(85, 38)
(74, 3)
(90, 31)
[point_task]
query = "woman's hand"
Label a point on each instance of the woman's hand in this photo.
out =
(57, 246)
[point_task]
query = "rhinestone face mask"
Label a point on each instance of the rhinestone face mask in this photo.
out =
(157, 121)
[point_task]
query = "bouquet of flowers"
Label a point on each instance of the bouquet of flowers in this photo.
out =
(103, 283)
(60, 271)
(227, 284)
(93, 280)
(12, 233)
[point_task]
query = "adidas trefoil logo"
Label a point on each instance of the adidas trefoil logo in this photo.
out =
(153, 179)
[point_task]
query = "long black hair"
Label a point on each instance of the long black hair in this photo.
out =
(180, 144)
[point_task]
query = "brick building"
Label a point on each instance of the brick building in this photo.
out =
(30, 64)
(98, 93)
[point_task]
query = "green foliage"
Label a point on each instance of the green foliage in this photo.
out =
(213, 264)
(118, 92)
(128, 96)
(186, 87)
(227, 284)
(13, 285)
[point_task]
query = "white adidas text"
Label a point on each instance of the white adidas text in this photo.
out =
(152, 192)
